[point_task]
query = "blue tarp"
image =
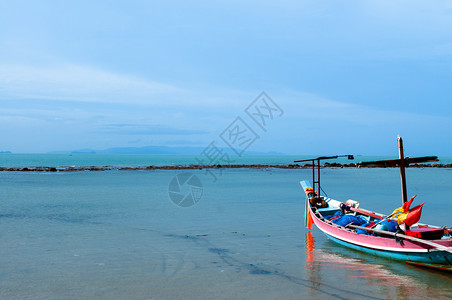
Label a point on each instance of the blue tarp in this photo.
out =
(387, 225)
(349, 219)
(362, 231)
(343, 220)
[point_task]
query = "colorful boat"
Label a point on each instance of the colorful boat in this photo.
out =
(420, 243)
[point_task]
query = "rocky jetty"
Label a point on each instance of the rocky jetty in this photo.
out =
(200, 167)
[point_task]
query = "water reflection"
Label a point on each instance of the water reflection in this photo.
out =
(354, 270)
(317, 259)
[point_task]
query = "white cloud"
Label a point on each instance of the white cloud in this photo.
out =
(78, 83)
(70, 82)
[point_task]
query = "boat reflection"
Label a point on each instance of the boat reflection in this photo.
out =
(324, 265)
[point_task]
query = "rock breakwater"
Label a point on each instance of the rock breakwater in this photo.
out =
(200, 167)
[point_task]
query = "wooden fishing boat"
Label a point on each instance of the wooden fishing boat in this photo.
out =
(419, 243)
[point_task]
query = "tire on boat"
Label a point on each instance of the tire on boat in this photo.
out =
(318, 202)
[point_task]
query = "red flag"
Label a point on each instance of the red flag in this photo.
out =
(414, 215)
(403, 211)
(406, 205)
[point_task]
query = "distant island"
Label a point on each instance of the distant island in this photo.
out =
(156, 150)
(5, 152)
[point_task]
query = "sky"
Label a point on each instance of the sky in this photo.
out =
(347, 76)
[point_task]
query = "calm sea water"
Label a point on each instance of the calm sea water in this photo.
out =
(118, 235)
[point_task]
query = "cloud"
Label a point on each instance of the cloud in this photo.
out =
(71, 84)
(78, 83)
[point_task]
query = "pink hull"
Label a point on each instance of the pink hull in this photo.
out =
(384, 246)
(375, 242)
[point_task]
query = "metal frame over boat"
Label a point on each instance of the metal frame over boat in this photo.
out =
(394, 245)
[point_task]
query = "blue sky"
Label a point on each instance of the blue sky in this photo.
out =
(349, 75)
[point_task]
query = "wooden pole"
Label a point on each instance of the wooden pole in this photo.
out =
(318, 176)
(402, 170)
(313, 177)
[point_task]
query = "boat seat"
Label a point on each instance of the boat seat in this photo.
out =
(328, 212)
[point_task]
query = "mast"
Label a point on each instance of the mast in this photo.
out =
(317, 160)
(402, 162)
(402, 169)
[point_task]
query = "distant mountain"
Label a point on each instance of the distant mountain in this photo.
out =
(5, 152)
(152, 150)
(156, 150)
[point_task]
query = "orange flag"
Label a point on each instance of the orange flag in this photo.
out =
(307, 216)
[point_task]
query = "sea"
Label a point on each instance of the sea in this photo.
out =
(200, 234)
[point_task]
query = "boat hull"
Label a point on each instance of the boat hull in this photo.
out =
(437, 257)
(384, 247)
(405, 250)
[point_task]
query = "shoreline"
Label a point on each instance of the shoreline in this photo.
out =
(200, 167)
